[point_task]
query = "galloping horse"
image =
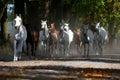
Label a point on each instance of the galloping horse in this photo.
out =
(20, 37)
(32, 38)
(86, 39)
(100, 35)
(44, 35)
(66, 37)
(60, 38)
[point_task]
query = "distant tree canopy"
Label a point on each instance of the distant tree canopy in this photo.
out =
(105, 11)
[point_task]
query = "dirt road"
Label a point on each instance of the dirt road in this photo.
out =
(70, 69)
(73, 67)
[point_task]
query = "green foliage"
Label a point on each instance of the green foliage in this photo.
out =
(105, 11)
(84, 7)
(10, 1)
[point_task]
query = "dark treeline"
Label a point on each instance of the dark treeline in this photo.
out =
(72, 11)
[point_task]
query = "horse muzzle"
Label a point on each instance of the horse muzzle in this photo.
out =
(16, 27)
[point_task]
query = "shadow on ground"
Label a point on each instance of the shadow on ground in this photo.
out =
(57, 73)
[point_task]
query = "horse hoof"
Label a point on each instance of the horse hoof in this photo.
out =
(19, 58)
(15, 59)
(97, 54)
(67, 54)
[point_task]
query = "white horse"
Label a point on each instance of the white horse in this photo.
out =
(20, 37)
(66, 37)
(44, 35)
(99, 38)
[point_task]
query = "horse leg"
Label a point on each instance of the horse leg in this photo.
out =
(80, 47)
(88, 49)
(27, 47)
(56, 47)
(24, 47)
(84, 49)
(49, 50)
(69, 48)
(52, 49)
(15, 51)
(100, 47)
(44, 48)
(60, 47)
(32, 48)
(96, 47)
(36, 45)
(64, 48)
(20, 47)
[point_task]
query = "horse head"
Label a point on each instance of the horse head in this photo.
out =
(61, 26)
(20, 37)
(18, 21)
(97, 26)
(43, 24)
(85, 29)
(66, 27)
(44, 28)
(85, 34)
(52, 27)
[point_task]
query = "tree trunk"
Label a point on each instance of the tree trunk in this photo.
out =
(34, 13)
(111, 33)
(47, 10)
(19, 7)
(4, 25)
(56, 11)
(3, 5)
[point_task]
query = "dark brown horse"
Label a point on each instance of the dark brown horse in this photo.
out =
(32, 39)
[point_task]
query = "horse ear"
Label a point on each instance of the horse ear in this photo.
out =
(16, 15)
(20, 15)
(41, 20)
(68, 24)
(45, 20)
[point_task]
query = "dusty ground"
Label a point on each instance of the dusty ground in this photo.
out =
(72, 67)
(61, 67)
(83, 69)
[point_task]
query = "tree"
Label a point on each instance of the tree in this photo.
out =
(3, 19)
(105, 11)
(3, 5)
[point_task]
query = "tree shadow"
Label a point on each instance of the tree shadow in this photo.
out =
(56, 73)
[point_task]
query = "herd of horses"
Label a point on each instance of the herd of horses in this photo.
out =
(52, 40)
